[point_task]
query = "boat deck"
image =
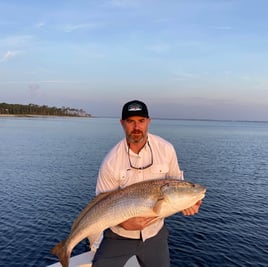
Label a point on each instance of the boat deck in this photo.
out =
(84, 260)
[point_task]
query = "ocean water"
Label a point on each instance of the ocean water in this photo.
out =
(48, 170)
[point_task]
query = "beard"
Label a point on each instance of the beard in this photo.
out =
(136, 137)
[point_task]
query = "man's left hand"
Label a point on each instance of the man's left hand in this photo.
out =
(192, 210)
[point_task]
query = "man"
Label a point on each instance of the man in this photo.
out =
(138, 157)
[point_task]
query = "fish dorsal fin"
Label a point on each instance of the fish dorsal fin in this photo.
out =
(88, 207)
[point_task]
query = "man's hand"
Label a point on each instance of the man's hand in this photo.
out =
(137, 223)
(192, 210)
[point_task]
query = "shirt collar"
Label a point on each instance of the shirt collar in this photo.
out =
(146, 146)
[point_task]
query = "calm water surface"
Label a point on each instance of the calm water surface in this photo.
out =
(48, 174)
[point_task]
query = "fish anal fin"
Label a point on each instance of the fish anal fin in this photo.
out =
(94, 240)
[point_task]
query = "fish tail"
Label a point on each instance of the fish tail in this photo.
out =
(60, 251)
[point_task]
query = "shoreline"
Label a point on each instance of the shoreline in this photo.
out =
(41, 116)
(90, 117)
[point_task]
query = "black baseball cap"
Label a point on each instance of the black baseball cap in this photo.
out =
(134, 108)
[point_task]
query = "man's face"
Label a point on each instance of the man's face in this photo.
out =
(136, 128)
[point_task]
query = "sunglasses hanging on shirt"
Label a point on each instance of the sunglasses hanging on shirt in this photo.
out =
(144, 167)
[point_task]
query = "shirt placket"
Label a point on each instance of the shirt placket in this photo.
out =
(139, 163)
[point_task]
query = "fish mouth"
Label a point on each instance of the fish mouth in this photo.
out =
(202, 196)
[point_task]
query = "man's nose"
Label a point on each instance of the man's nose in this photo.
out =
(136, 125)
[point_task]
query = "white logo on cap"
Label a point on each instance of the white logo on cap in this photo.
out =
(135, 107)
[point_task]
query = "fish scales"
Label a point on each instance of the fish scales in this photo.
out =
(154, 198)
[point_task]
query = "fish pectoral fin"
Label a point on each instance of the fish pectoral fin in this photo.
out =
(158, 206)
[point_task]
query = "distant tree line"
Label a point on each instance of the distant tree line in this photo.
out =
(32, 109)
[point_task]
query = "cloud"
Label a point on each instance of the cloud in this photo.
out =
(39, 25)
(222, 28)
(122, 3)
(34, 88)
(159, 48)
(85, 26)
(31, 83)
(16, 41)
(9, 54)
(186, 76)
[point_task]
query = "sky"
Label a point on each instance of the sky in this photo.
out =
(186, 59)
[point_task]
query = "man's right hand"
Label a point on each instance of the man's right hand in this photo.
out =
(137, 223)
